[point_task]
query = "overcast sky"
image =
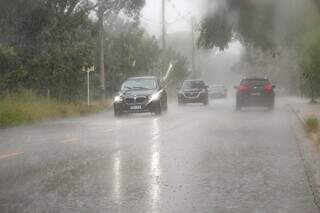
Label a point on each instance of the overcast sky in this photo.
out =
(178, 14)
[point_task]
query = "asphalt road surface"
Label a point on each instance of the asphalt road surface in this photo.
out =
(192, 159)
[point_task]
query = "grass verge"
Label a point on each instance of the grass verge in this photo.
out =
(27, 108)
(312, 124)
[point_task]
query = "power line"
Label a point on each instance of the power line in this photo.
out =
(184, 18)
(181, 16)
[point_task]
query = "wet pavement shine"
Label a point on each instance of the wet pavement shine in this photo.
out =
(195, 158)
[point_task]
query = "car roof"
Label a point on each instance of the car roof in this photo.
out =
(255, 79)
(143, 77)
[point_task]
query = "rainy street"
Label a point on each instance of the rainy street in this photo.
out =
(192, 159)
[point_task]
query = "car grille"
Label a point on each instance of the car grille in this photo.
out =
(130, 100)
(137, 100)
(191, 94)
(140, 100)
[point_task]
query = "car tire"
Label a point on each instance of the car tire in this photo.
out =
(117, 113)
(206, 102)
(180, 102)
(158, 110)
(271, 106)
(238, 107)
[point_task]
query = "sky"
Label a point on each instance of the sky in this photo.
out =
(178, 18)
(178, 15)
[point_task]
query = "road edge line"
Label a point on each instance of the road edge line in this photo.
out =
(308, 169)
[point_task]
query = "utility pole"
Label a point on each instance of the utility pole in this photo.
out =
(193, 46)
(164, 24)
(101, 48)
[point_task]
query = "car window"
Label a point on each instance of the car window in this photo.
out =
(137, 84)
(256, 82)
(193, 84)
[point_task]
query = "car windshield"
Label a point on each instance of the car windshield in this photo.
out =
(218, 88)
(193, 84)
(139, 84)
(255, 82)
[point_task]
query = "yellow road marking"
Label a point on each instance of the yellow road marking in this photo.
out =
(8, 155)
(73, 140)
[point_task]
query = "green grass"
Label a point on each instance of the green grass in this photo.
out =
(312, 124)
(27, 108)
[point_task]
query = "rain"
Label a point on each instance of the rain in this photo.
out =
(159, 106)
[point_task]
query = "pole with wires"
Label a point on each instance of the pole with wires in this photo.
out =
(193, 46)
(164, 24)
(101, 48)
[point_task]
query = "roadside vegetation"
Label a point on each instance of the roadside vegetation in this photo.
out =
(46, 45)
(312, 124)
(25, 107)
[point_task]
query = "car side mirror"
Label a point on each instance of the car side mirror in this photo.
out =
(273, 86)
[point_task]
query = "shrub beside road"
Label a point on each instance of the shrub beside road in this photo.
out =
(26, 107)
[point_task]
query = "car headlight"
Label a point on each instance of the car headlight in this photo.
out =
(117, 99)
(155, 96)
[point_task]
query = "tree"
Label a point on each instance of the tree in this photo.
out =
(310, 64)
(109, 7)
(253, 22)
(53, 40)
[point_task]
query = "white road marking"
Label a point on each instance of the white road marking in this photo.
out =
(12, 154)
(73, 140)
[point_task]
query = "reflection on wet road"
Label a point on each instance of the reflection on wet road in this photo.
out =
(191, 159)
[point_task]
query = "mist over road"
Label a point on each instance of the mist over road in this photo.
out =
(192, 159)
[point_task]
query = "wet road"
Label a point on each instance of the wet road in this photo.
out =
(192, 159)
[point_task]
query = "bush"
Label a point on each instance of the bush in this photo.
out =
(26, 107)
(312, 124)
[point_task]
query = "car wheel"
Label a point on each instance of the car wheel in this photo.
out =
(158, 110)
(271, 106)
(206, 102)
(117, 112)
(238, 107)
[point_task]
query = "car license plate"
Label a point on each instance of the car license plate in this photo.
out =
(135, 107)
(255, 94)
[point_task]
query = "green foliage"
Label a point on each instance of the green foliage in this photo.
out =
(312, 124)
(130, 51)
(251, 22)
(309, 59)
(44, 44)
(26, 107)
(216, 31)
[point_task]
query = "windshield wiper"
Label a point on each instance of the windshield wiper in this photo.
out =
(127, 88)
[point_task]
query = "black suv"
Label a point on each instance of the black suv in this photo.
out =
(140, 94)
(255, 92)
(193, 91)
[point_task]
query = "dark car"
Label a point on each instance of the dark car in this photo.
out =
(218, 91)
(141, 94)
(255, 92)
(193, 91)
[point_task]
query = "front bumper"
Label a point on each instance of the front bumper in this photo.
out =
(201, 97)
(263, 100)
(136, 108)
(218, 95)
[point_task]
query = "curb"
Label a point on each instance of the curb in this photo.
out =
(298, 114)
(309, 169)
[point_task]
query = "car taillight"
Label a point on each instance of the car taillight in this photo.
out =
(243, 88)
(268, 88)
